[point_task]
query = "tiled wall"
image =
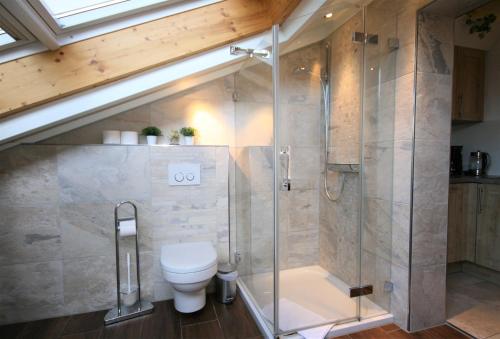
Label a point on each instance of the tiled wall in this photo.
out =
(431, 170)
(57, 228)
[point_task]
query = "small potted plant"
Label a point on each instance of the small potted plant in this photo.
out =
(152, 133)
(175, 136)
(188, 133)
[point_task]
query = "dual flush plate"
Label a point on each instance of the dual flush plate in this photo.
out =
(183, 174)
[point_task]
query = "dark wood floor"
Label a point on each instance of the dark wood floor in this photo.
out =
(215, 321)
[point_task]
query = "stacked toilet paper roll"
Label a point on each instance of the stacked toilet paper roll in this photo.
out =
(111, 137)
(127, 228)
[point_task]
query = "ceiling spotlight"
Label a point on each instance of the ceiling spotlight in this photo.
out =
(328, 15)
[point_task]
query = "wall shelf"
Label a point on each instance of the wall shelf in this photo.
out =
(344, 168)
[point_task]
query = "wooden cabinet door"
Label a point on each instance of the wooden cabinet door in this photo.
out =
(488, 227)
(462, 222)
(468, 84)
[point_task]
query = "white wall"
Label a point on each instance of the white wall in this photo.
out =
(484, 136)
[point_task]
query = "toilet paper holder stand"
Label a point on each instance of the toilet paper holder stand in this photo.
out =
(141, 307)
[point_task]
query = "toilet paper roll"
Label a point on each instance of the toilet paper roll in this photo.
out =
(129, 138)
(111, 137)
(127, 228)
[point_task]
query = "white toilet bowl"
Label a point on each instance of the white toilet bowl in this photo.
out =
(188, 267)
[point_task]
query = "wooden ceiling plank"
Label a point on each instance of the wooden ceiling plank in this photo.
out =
(51, 75)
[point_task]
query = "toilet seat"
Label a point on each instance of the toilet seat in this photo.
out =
(188, 262)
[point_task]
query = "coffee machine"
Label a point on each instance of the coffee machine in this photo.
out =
(456, 160)
(479, 162)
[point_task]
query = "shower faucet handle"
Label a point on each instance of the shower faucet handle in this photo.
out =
(286, 183)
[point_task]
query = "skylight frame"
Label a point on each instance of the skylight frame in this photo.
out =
(96, 14)
(13, 29)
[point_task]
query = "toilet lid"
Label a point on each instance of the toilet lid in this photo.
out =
(188, 257)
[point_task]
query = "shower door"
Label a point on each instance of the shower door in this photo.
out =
(252, 210)
(334, 172)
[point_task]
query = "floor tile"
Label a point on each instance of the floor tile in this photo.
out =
(85, 322)
(129, 329)
(481, 321)
(460, 279)
(96, 334)
(205, 330)
(44, 329)
(235, 320)
(207, 313)
(163, 323)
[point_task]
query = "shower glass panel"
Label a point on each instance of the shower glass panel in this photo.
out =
(320, 123)
(253, 213)
(336, 118)
(313, 205)
(379, 104)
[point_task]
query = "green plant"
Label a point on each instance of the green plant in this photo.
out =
(175, 136)
(151, 130)
(188, 131)
(480, 25)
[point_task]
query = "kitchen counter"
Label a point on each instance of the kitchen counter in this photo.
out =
(464, 179)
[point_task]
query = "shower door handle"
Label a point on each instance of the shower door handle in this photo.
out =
(285, 160)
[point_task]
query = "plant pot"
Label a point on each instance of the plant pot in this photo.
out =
(188, 140)
(152, 139)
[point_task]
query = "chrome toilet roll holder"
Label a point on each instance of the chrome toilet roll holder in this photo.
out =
(140, 307)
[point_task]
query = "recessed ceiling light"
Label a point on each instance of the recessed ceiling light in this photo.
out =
(328, 15)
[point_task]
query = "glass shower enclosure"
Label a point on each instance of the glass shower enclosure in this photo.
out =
(312, 206)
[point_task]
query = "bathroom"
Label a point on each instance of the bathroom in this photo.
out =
(309, 178)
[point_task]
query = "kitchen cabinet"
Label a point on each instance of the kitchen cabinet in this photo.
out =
(468, 85)
(488, 227)
(462, 211)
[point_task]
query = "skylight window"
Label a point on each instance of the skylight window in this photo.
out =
(67, 15)
(5, 38)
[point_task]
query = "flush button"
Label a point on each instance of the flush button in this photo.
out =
(184, 174)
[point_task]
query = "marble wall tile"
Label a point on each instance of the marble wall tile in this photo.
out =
(401, 234)
(399, 297)
(90, 228)
(29, 234)
(376, 271)
(123, 173)
(378, 172)
(377, 228)
(403, 114)
(27, 176)
(433, 113)
(428, 297)
(89, 284)
(303, 248)
(31, 291)
(435, 43)
(401, 172)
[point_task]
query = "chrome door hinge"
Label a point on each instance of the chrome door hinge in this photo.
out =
(360, 291)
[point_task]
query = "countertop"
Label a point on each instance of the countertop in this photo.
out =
(464, 179)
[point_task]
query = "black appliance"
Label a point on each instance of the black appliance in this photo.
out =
(456, 160)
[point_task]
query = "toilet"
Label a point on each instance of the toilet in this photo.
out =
(188, 267)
